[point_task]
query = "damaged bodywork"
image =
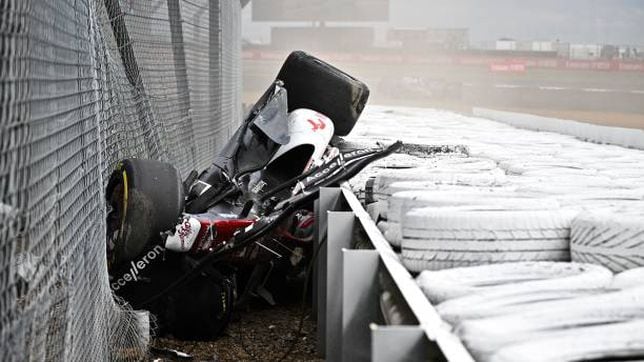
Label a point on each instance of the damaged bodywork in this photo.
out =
(211, 241)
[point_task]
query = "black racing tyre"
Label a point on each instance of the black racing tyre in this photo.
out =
(314, 84)
(147, 198)
(200, 309)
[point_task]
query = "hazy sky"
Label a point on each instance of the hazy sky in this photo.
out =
(590, 21)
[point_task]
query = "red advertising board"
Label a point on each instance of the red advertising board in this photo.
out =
(508, 67)
(495, 64)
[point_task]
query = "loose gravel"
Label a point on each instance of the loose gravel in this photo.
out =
(258, 333)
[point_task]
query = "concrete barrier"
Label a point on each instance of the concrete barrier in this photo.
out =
(625, 137)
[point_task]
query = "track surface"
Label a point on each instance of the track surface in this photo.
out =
(604, 97)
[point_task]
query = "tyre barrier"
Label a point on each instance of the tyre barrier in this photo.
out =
(483, 305)
(615, 240)
(546, 168)
(393, 307)
(439, 238)
(486, 335)
(440, 286)
(383, 194)
(448, 233)
(402, 202)
(561, 185)
(490, 178)
(610, 342)
(628, 279)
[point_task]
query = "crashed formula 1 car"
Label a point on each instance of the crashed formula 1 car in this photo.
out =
(190, 250)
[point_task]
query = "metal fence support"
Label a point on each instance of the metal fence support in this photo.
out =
(400, 343)
(181, 69)
(359, 302)
(347, 297)
(339, 235)
(328, 200)
(315, 283)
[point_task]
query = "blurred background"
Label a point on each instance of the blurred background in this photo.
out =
(573, 59)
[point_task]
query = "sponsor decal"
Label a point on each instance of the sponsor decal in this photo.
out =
(359, 152)
(325, 171)
(317, 125)
(184, 236)
(136, 267)
(184, 232)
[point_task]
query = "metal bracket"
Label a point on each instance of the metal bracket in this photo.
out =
(340, 231)
(360, 291)
(328, 200)
(401, 343)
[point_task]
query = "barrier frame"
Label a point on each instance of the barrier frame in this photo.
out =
(346, 293)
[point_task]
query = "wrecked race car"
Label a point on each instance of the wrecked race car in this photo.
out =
(191, 250)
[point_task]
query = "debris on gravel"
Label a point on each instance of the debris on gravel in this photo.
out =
(258, 333)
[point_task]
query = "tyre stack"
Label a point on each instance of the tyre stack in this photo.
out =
(519, 254)
(541, 311)
(613, 238)
(446, 175)
(473, 212)
(440, 238)
(399, 203)
(435, 172)
(583, 183)
(462, 212)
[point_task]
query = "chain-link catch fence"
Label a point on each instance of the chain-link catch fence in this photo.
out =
(83, 84)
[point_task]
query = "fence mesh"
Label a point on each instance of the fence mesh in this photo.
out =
(83, 84)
